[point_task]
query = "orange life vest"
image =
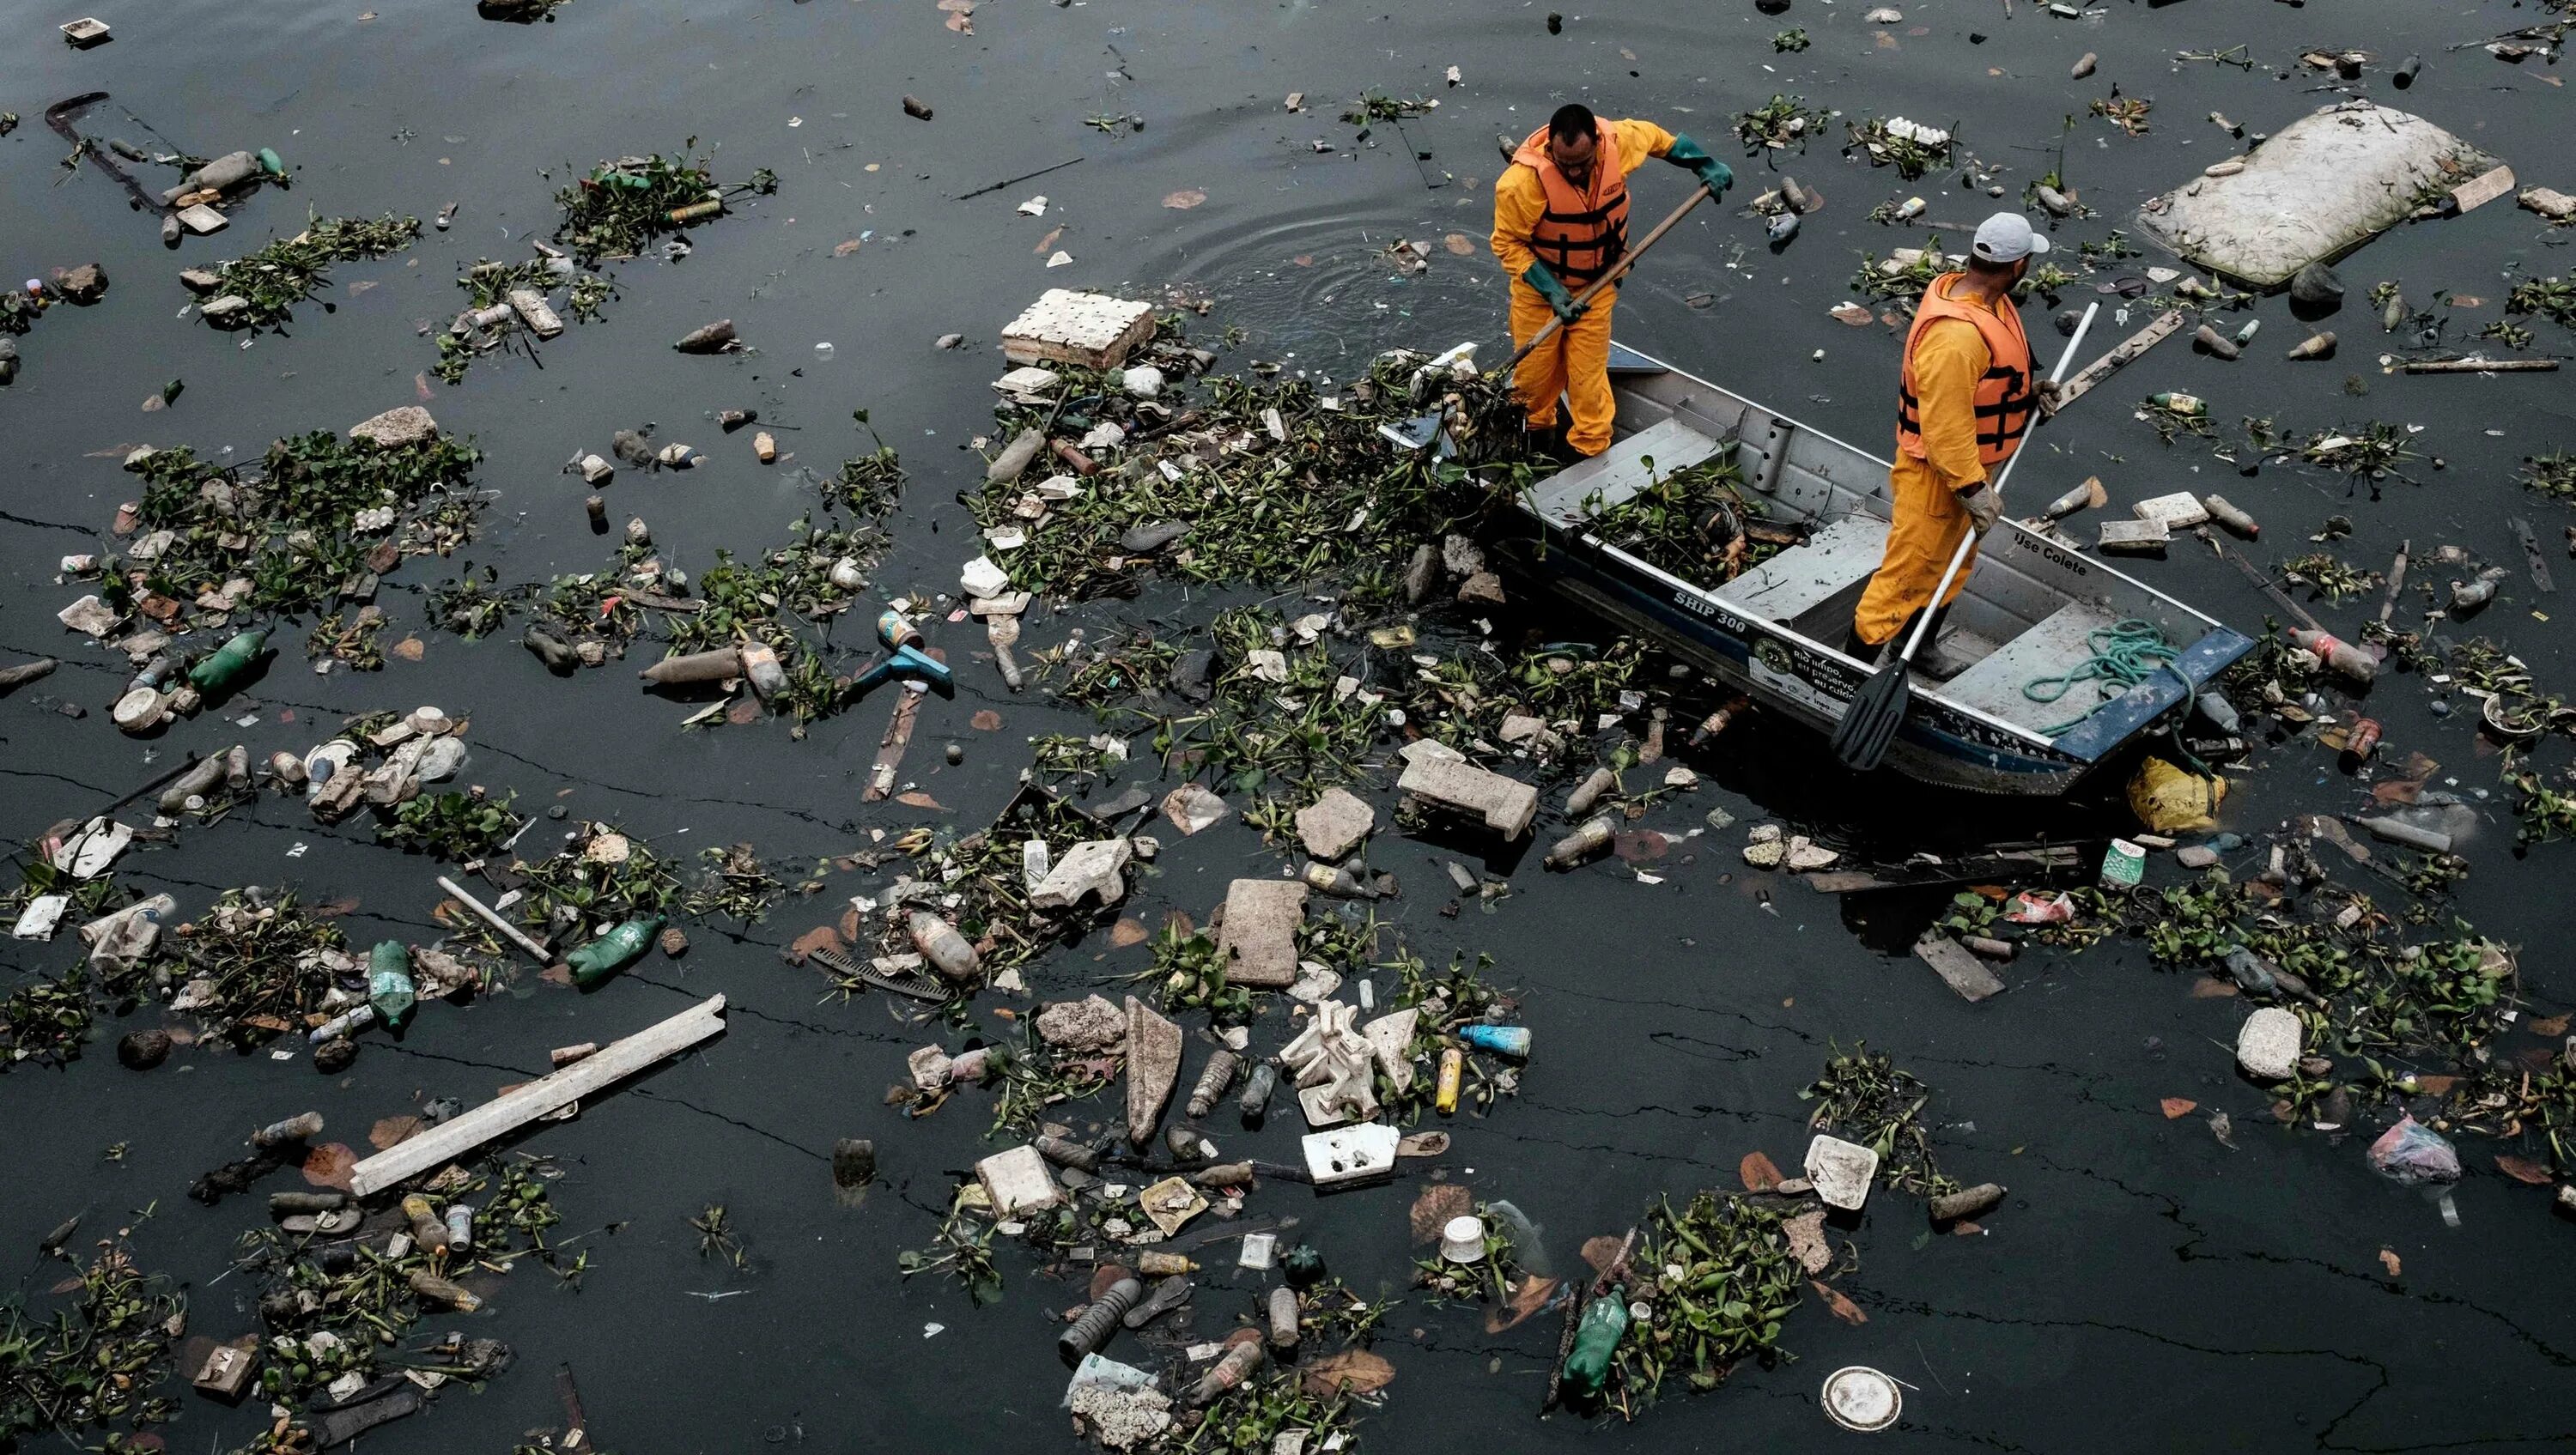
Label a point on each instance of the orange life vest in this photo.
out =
(2006, 395)
(1584, 232)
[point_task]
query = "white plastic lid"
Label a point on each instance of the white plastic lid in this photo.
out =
(1858, 1397)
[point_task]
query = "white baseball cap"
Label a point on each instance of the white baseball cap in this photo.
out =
(2006, 238)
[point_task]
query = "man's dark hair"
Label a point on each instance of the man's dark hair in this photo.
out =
(1572, 120)
(1988, 268)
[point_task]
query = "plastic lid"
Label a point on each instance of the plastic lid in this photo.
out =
(1858, 1397)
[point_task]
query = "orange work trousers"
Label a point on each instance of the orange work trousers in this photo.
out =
(1574, 362)
(1929, 522)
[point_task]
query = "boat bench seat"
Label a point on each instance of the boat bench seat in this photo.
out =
(2059, 644)
(1834, 560)
(1616, 474)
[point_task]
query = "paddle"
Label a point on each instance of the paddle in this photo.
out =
(1869, 725)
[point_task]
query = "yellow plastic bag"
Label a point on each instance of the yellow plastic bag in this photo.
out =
(2170, 800)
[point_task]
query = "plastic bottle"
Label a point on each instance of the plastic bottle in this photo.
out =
(1254, 1104)
(1453, 1070)
(1339, 881)
(301, 1127)
(1596, 1340)
(1283, 1319)
(714, 666)
(460, 1227)
(2179, 403)
(228, 661)
(946, 950)
(2344, 657)
(2231, 517)
(305, 1204)
(1097, 1322)
(1582, 844)
(1236, 1366)
(428, 1229)
(1067, 1154)
(390, 989)
(614, 951)
(1212, 1082)
(1512, 1041)
(1781, 228)
(347, 1023)
(430, 1286)
(1302, 1266)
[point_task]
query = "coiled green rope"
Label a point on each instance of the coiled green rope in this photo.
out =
(2124, 654)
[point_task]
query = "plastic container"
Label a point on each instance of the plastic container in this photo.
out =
(391, 992)
(2123, 865)
(1302, 1266)
(439, 1290)
(1254, 1104)
(946, 950)
(1462, 1240)
(1283, 1319)
(1212, 1082)
(460, 1227)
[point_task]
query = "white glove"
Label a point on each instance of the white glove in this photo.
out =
(1984, 506)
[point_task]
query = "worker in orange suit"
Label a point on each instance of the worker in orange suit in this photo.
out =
(1965, 400)
(1561, 221)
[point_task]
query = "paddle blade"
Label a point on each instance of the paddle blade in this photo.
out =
(1869, 725)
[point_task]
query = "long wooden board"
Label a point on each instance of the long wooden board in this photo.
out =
(2128, 350)
(511, 1110)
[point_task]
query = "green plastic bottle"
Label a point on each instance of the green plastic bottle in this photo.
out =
(1596, 1338)
(271, 163)
(228, 661)
(612, 952)
(390, 988)
(2179, 403)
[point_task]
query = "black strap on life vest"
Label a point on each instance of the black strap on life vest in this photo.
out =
(1578, 263)
(1998, 424)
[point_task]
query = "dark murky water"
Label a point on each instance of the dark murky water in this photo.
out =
(2145, 1287)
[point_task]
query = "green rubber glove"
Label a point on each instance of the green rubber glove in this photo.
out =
(1687, 153)
(1538, 277)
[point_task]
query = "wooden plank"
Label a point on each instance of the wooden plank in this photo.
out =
(2004, 864)
(2531, 554)
(1961, 971)
(493, 917)
(2127, 352)
(898, 736)
(503, 1114)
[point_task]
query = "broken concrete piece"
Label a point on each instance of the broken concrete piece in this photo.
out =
(1334, 824)
(2134, 535)
(1087, 870)
(1258, 937)
(1191, 808)
(2267, 1045)
(1153, 1066)
(1506, 805)
(1348, 1156)
(408, 425)
(1962, 971)
(460, 1135)
(2554, 205)
(1090, 1024)
(1805, 855)
(2179, 511)
(1482, 589)
(1842, 1171)
(930, 1067)
(1018, 1182)
(1093, 330)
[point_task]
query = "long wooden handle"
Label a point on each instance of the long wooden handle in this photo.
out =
(1959, 557)
(1617, 271)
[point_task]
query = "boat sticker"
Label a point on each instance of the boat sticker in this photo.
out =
(1775, 664)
